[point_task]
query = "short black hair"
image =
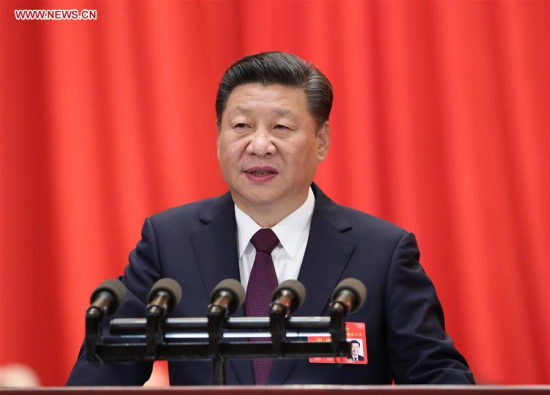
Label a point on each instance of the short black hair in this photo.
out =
(269, 68)
(355, 341)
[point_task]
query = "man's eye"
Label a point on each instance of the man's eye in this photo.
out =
(240, 125)
(280, 127)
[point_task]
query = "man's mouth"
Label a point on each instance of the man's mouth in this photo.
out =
(261, 171)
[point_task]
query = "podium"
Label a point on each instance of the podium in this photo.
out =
(289, 390)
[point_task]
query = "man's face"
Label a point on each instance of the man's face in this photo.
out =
(354, 349)
(269, 147)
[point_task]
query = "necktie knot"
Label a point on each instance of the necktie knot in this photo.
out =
(265, 240)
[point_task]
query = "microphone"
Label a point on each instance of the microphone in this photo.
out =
(226, 298)
(348, 296)
(287, 297)
(163, 297)
(106, 298)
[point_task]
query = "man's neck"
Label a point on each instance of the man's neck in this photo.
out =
(267, 216)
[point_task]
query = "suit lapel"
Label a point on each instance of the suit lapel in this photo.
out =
(215, 244)
(215, 247)
(327, 253)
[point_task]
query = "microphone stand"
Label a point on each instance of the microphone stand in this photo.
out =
(337, 328)
(215, 326)
(277, 327)
(154, 316)
(94, 316)
(215, 334)
(153, 332)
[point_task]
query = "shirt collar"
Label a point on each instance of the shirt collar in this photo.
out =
(290, 230)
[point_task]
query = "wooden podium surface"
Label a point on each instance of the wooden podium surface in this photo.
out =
(291, 390)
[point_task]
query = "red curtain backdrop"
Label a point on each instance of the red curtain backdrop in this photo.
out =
(440, 124)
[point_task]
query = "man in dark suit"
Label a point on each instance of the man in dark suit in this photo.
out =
(273, 130)
(355, 349)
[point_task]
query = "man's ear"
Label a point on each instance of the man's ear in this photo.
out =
(323, 137)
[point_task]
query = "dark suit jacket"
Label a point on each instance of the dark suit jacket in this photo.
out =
(196, 245)
(359, 358)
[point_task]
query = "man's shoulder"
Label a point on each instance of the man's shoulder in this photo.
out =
(194, 213)
(366, 221)
(347, 218)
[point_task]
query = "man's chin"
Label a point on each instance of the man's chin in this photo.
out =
(262, 202)
(256, 200)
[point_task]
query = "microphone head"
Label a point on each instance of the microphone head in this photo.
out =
(355, 286)
(295, 287)
(167, 285)
(234, 287)
(115, 288)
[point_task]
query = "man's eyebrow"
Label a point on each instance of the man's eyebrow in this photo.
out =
(283, 111)
(240, 109)
(277, 111)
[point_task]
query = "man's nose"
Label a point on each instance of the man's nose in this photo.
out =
(261, 143)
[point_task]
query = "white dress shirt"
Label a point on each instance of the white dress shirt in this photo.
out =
(292, 231)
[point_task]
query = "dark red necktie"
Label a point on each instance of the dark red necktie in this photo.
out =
(261, 284)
